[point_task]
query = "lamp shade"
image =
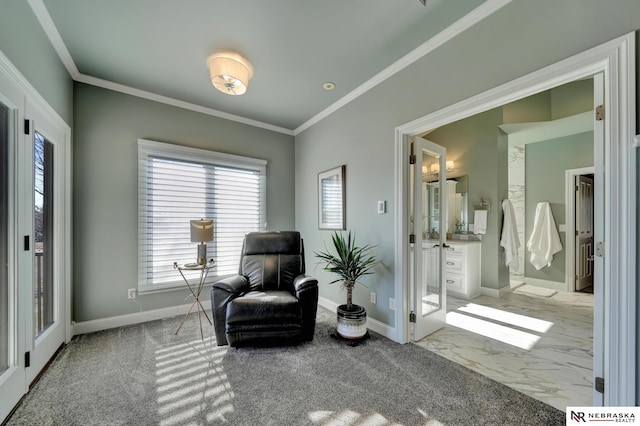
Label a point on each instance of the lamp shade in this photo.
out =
(201, 230)
(230, 72)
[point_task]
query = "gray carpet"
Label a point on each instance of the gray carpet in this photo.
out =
(145, 375)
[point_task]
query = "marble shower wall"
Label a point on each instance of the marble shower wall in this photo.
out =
(516, 156)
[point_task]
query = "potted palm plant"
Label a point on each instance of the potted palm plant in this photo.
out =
(350, 263)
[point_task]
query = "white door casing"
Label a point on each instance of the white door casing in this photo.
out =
(616, 61)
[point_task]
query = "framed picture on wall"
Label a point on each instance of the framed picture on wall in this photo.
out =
(331, 199)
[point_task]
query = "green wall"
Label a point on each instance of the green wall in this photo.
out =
(24, 42)
(545, 165)
(105, 185)
(475, 145)
(522, 37)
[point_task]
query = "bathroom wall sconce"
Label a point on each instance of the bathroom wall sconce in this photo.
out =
(435, 167)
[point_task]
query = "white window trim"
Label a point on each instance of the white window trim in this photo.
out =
(148, 147)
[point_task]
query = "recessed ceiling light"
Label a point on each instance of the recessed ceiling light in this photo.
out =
(329, 86)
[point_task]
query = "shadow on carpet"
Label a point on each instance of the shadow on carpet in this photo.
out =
(146, 375)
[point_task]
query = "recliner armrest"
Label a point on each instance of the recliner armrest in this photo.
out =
(306, 289)
(234, 285)
(222, 292)
(304, 282)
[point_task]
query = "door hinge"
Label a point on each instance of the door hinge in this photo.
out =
(577, 232)
(412, 316)
(577, 188)
(600, 113)
(599, 384)
(412, 238)
(412, 159)
(600, 249)
(27, 359)
(27, 127)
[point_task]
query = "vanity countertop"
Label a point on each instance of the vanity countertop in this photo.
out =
(463, 242)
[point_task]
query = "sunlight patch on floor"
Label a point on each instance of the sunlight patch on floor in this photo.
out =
(508, 335)
(500, 315)
(191, 382)
(348, 418)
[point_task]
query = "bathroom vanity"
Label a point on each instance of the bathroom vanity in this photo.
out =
(462, 268)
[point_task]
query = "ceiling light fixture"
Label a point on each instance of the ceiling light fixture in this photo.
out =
(329, 86)
(230, 72)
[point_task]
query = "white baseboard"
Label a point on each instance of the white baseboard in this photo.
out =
(494, 292)
(91, 326)
(128, 319)
(372, 324)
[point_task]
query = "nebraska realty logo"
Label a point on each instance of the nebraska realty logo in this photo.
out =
(582, 415)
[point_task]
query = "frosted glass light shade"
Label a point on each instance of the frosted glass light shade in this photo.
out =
(435, 167)
(201, 231)
(230, 73)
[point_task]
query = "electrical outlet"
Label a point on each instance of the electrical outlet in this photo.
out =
(392, 303)
(373, 297)
(131, 293)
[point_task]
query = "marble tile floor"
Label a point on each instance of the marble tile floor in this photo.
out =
(540, 346)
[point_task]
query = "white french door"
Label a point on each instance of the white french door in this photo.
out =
(430, 297)
(42, 213)
(13, 382)
(35, 237)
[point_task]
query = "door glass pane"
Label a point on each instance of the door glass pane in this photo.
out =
(4, 238)
(431, 225)
(43, 233)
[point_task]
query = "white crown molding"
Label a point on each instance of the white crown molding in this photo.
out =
(464, 23)
(470, 19)
(50, 29)
(106, 84)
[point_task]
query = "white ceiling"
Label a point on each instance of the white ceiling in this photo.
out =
(160, 47)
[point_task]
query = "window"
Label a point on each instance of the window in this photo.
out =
(178, 184)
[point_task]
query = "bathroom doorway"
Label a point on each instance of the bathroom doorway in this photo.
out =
(613, 144)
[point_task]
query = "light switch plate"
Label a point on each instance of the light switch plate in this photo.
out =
(382, 207)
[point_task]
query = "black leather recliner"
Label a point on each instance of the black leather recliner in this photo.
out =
(271, 301)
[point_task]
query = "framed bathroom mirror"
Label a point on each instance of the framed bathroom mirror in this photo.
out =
(457, 191)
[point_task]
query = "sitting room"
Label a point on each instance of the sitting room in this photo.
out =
(174, 176)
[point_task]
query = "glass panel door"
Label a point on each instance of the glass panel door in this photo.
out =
(12, 372)
(430, 235)
(43, 235)
(44, 220)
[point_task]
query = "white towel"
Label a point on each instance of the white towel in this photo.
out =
(479, 221)
(544, 241)
(509, 239)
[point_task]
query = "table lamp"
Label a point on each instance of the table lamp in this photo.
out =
(201, 231)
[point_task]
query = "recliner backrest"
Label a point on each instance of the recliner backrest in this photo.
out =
(271, 260)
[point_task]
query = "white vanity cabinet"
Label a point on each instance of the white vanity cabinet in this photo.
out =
(462, 269)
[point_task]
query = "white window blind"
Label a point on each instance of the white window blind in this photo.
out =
(178, 184)
(332, 207)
